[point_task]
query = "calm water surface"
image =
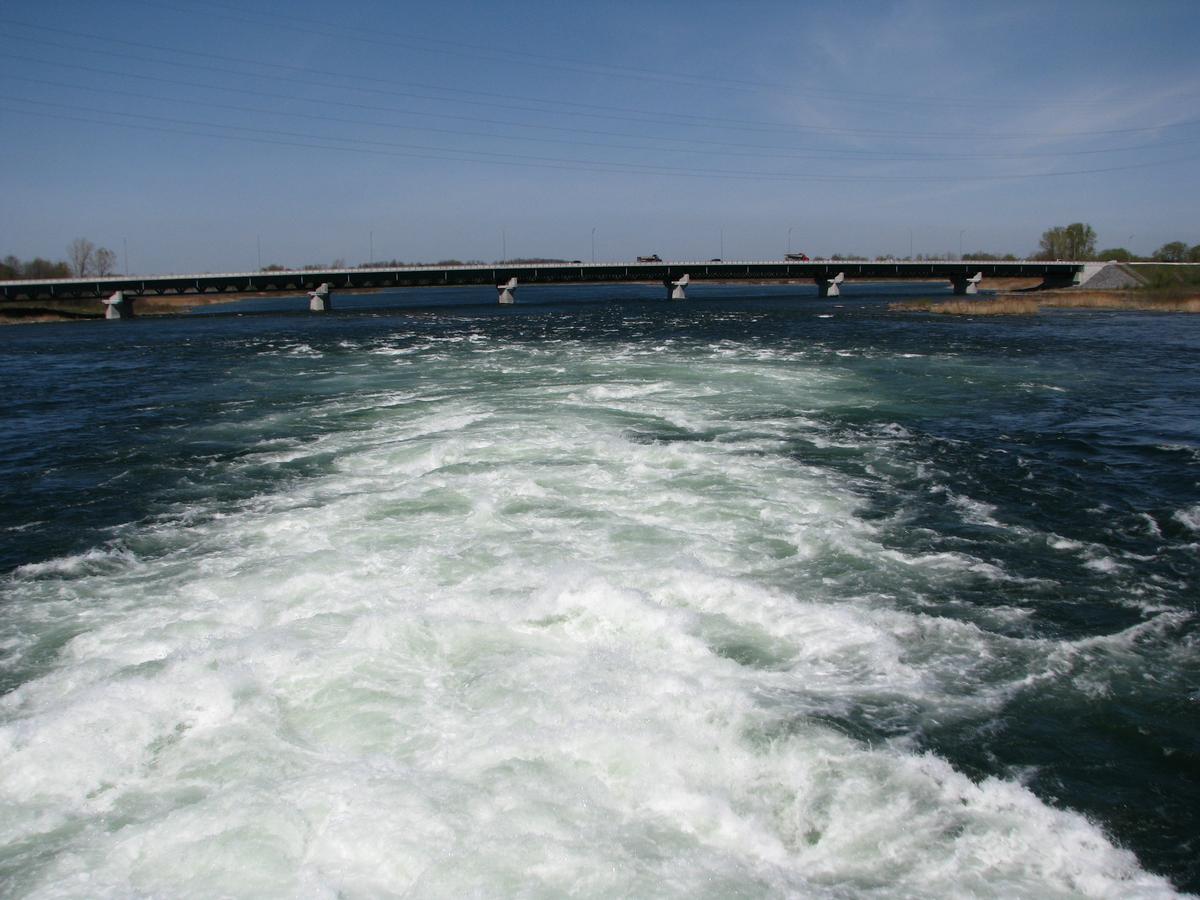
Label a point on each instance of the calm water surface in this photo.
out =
(752, 595)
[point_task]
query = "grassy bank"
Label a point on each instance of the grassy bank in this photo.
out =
(1171, 282)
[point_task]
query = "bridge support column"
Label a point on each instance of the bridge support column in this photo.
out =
(320, 300)
(828, 287)
(118, 306)
(964, 285)
(677, 290)
(508, 291)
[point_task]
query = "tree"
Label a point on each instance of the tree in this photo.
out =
(1120, 254)
(1176, 251)
(80, 252)
(10, 269)
(104, 261)
(1074, 241)
(43, 268)
(1081, 241)
(1052, 243)
(1193, 255)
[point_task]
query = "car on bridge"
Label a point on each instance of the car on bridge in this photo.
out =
(653, 257)
(797, 257)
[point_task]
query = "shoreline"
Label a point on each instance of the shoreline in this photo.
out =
(1007, 296)
(34, 312)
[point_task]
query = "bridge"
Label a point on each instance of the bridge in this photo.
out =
(120, 292)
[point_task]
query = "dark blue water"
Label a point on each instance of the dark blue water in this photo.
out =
(1032, 481)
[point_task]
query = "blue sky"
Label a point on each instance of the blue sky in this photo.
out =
(194, 132)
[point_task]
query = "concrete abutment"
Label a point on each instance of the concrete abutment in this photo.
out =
(964, 285)
(320, 300)
(508, 291)
(118, 306)
(830, 287)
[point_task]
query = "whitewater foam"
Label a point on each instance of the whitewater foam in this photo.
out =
(531, 639)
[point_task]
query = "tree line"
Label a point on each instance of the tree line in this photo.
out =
(83, 259)
(1078, 241)
(394, 264)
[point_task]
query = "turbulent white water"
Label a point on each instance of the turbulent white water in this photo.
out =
(535, 621)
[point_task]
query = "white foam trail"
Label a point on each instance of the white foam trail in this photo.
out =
(522, 641)
(1189, 517)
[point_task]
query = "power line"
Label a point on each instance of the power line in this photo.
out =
(640, 117)
(473, 51)
(636, 116)
(441, 154)
(809, 154)
(350, 105)
(522, 55)
(422, 148)
(808, 93)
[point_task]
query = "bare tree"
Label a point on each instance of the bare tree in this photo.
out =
(80, 252)
(104, 261)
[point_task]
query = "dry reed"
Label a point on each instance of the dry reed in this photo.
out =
(1011, 305)
(1001, 306)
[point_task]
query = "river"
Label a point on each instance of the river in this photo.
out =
(751, 595)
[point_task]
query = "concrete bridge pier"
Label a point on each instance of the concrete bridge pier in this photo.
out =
(508, 291)
(964, 285)
(320, 300)
(677, 290)
(118, 306)
(828, 287)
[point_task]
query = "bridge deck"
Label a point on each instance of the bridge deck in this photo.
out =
(300, 280)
